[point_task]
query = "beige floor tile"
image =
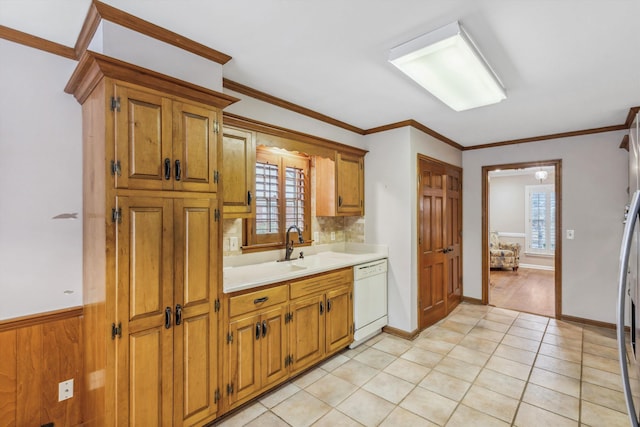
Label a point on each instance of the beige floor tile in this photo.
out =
(604, 397)
(301, 409)
(600, 350)
(402, 417)
(392, 346)
(528, 324)
(487, 334)
(389, 387)
(551, 400)
(465, 416)
(532, 416)
(505, 312)
(501, 383)
(479, 344)
(477, 310)
(491, 403)
(443, 334)
(407, 370)
(244, 416)
(278, 395)
(445, 385)
(561, 353)
(355, 372)
(525, 333)
(366, 408)
(515, 354)
(521, 343)
(509, 367)
(602, 363)
(374, 340)
(458, 368)
(309, 377)
(596, 415)
(422, 357)
(334, 362)
(565, 330)
(452, 325)
(352, 352)
(464, 318)
(375, 358)
(534, 318)
(557, 382)
(435, 346)
(560, 341)
(268, 419)
(472, 356)
(602, 378)
(499, 318)
(603, 338)
(494, 326)
(569, 369)
(331, 389)
(336, 418)
(429, 405)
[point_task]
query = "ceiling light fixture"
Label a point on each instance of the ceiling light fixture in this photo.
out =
(447, 63)
(541, 175)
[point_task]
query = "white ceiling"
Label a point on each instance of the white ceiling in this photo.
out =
(567, 65)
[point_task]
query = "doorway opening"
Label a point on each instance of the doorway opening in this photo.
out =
(521, 237)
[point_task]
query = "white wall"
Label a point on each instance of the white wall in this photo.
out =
(594, 191)
(41, 164)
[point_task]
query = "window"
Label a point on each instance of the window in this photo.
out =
(540, 219)
(282, 197)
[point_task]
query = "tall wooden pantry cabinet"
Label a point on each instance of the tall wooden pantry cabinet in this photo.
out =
(152, 259)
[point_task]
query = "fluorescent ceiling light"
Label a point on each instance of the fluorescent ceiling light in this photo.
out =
(447, 64)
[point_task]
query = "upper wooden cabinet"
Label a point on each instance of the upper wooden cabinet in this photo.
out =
(238, 171)
(163, 143)
(340, 185)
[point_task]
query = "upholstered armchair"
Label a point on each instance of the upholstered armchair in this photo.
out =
(503, 255)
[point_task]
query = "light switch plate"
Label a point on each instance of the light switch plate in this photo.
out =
(570, 234)
(65, 390)
(233, 244)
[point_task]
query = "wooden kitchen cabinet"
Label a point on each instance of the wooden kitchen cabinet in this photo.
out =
(340, 185)
(238, 171)
(163, 143)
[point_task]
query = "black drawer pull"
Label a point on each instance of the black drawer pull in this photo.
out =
(167, 169)
(167, 317)
(264, 329)
(321, 307)
(178, 171)
(260, 300)
(258, 331)
(328, 305)
(178, 314)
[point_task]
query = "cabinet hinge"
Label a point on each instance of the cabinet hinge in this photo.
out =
(216, 127)
(216, 215)
(115, 104)
(230, 389)
(216, 396)
(116, 215)
(216, 305)
(288, 361)
(229, 337)
(116, 331)
(216, 176)
(288, 317)
(115, 167)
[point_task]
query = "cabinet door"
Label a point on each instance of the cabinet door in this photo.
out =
(307, 331)
(195, 146)
(196, 324)
(273, 343)
(350, 184)
(142, 139)
(144, 257)
(339, 318)
(244, 358)
(238, 171)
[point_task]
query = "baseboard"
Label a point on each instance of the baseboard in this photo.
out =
(401, 333)
(588, 322)
(40, 318)
(537, 267)
(470, 300)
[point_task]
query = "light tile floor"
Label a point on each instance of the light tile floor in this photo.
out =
(481, 366)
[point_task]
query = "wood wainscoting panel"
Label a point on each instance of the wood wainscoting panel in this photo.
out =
(8, 377)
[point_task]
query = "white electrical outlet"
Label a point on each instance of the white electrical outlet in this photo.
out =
(65, 390)
(570, 234)
(333, 235)
(225, 245)
(233, 244)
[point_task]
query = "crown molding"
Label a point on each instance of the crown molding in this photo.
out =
(36, 42)
(417, 125)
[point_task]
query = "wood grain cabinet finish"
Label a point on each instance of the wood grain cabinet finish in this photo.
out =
(238, 172)
(340, 185)
(151, 253)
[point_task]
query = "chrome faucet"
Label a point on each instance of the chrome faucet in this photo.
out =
(289, 248)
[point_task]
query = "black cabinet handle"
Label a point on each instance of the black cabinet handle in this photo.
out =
(264, 328)
(249, 198)
(260, 300)
(339, 200)
(167, 169)
(321, 308)
(178, 171)
(328, 305)
(178, 314)
(167, 317)
(258, 331)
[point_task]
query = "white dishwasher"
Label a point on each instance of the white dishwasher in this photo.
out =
(369, 300)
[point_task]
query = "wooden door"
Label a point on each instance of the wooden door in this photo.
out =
(350, 184)
(307, 331)
(431, 243)
(339, 318)
(238, 171)
(274, 344)
(196, 323)
(244, 358)
(143, 139)
(195, 146)
(144, 258)
(453, 237)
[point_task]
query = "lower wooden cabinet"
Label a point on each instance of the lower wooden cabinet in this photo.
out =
(282, 330)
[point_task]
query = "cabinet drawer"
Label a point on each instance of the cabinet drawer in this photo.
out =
(321, 282)
(247, 303)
